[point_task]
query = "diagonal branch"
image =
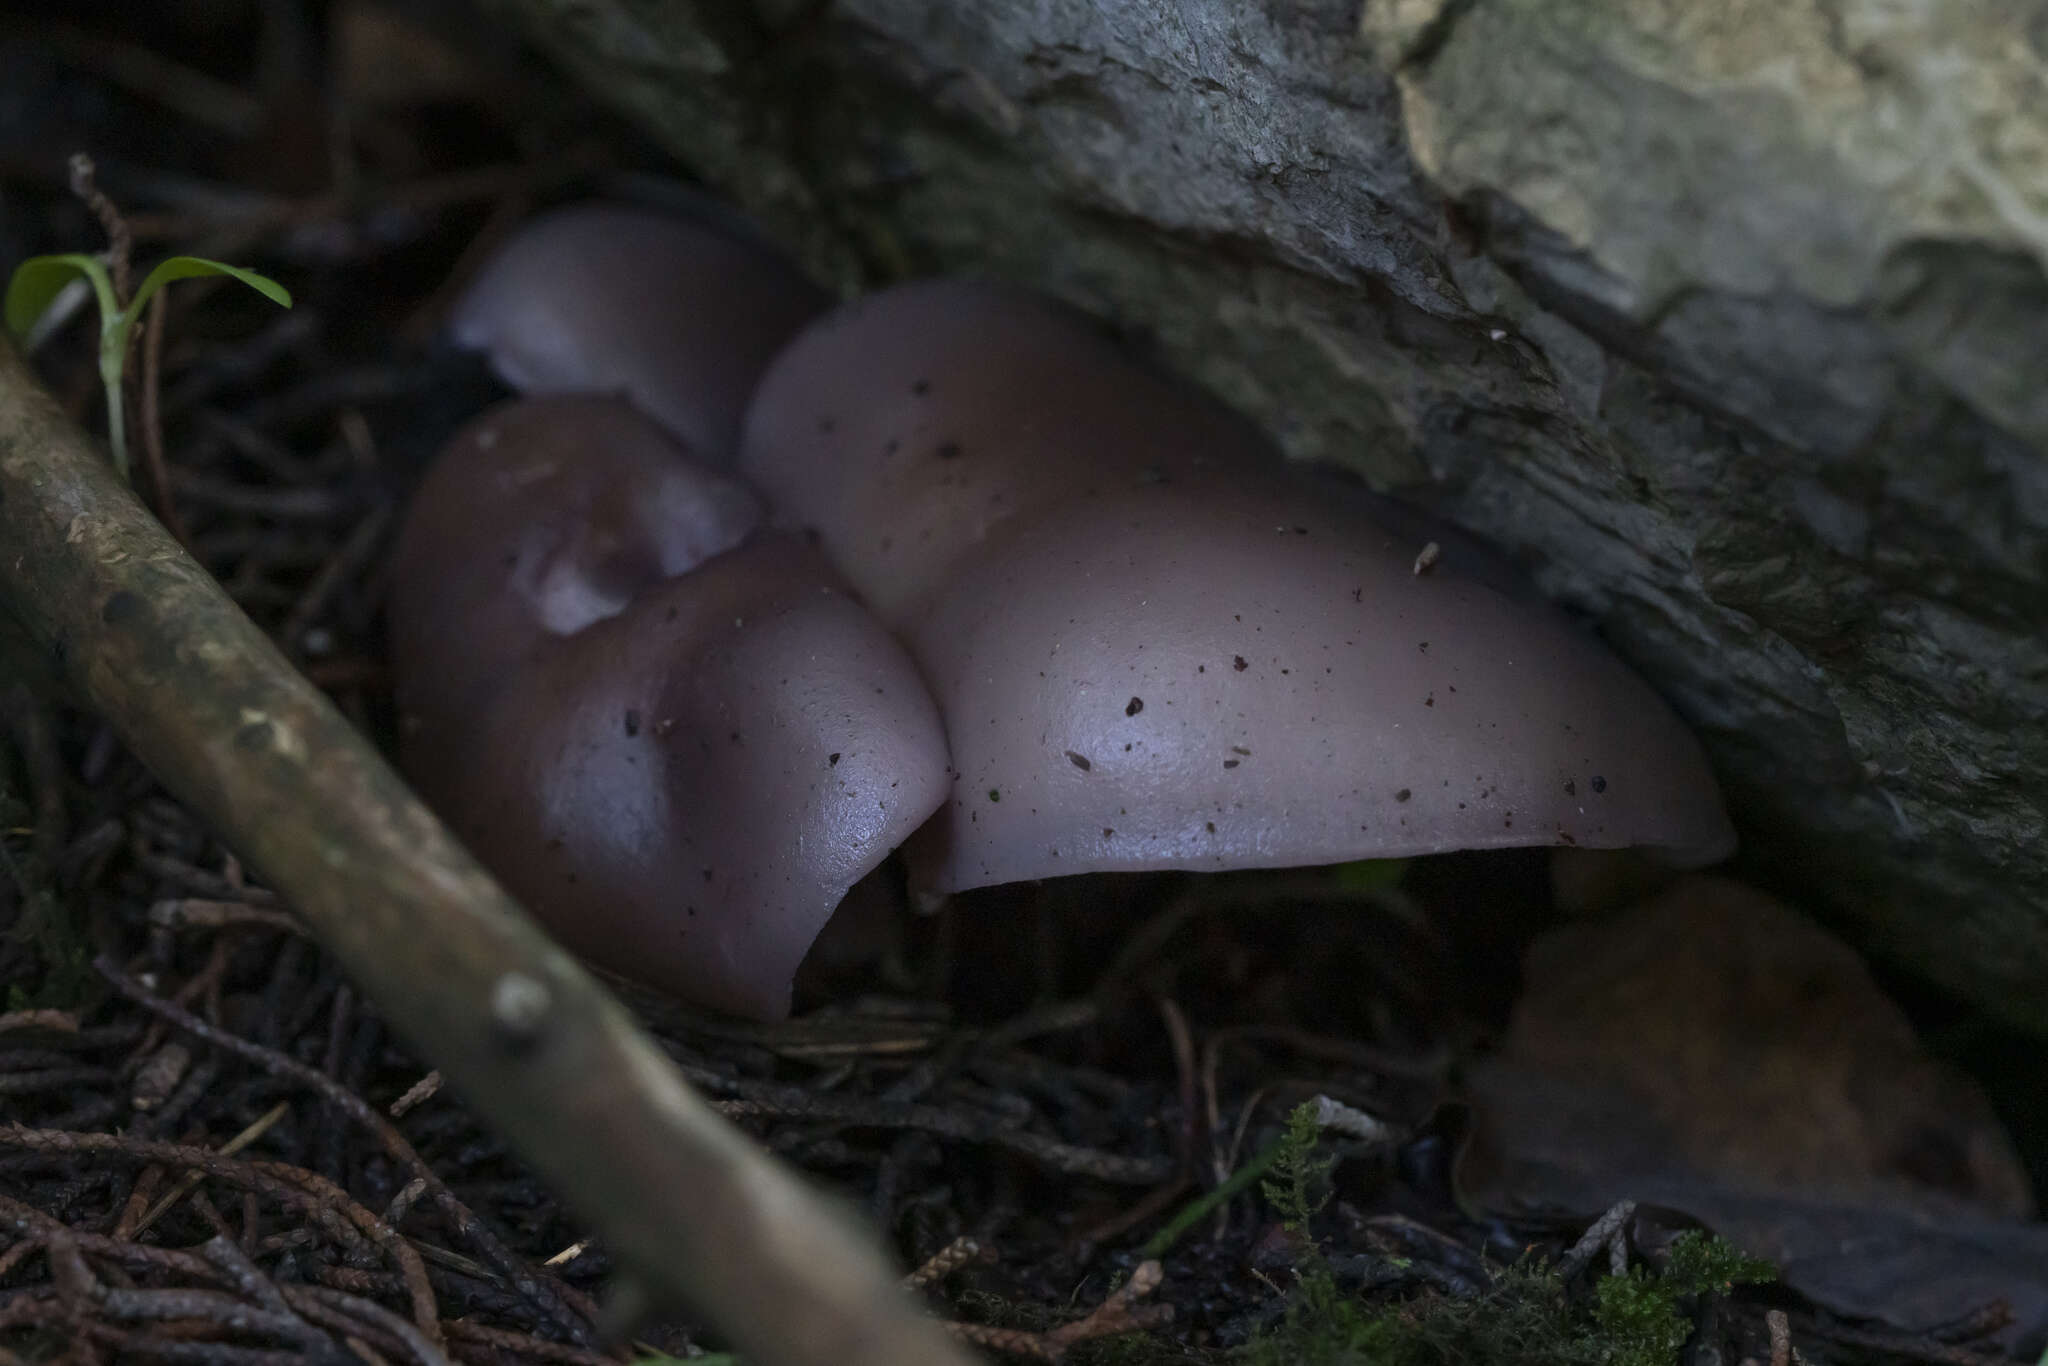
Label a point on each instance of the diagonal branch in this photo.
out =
(111, 604)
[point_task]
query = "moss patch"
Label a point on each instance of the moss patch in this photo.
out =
(1527, 1316)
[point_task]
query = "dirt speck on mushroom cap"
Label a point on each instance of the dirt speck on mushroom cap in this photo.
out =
(1341, 737)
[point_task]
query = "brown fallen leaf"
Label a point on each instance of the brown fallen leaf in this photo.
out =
(1715, 1051)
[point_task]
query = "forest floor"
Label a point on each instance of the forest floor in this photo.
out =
(1072, 1104)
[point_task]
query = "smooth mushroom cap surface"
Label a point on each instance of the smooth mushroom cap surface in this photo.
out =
(684, 792)
(1250, 674)
(677, 314)
(677, 750)
(904, 427)
(540, 517)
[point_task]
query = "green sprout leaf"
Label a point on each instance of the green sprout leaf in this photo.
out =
(39, 280)
(191, 267)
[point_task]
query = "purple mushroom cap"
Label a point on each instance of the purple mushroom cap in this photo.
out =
(678, 747)
(676, 314)
(1214, 673)
(903, 428)
(540, 518)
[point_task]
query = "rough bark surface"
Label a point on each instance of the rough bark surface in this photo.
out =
(1729, 320)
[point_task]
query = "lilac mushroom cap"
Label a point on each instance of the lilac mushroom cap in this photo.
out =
(904, 427)
(686, 791)
(540, 518)
(680, 768)
(1216, 674)
(676, 314)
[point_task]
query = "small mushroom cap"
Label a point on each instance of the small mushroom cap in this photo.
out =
(685, 791)
(1204, 675)
(678, 750)
(676, 314)
(541, 517)
(905, 426)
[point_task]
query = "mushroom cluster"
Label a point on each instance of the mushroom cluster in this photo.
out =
(669, 730)
(645, 694)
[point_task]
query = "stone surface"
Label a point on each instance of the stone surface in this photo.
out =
(1730, 325)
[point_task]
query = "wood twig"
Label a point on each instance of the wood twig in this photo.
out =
(1119, 1313)
(112, 605)
(120, 242)
(546, 1295)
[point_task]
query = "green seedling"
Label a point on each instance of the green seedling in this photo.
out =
(38, 280)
